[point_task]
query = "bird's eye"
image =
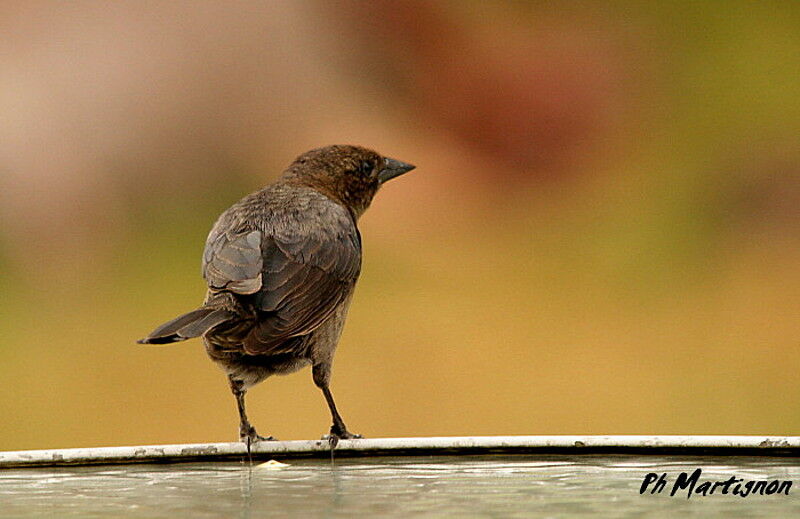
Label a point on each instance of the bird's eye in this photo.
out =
(366, 167)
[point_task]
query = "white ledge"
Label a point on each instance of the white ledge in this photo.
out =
(447, 445)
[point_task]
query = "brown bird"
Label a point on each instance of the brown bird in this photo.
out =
(281, 265)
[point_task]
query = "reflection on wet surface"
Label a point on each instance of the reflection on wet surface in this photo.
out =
(488, 486)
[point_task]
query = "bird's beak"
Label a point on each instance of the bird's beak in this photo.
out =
(393, 168)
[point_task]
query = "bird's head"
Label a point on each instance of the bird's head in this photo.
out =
(350, 175)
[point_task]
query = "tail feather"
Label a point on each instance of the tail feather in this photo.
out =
(187, 326)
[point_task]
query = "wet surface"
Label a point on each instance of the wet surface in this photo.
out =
(485, 486)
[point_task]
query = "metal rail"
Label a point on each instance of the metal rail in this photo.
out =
(450, 445)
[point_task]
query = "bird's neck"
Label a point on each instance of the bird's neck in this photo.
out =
(354, 201)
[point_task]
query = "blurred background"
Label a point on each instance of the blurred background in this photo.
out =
(602, 235)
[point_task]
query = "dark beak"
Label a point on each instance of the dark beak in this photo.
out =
(393, 168)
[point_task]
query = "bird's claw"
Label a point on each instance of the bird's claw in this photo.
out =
(257, 438)
(250, 436)
(250, 439)
(260, 438)
(334, 437)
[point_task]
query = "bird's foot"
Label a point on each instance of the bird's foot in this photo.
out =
(249, 436)
(258, 438)
(337, 434)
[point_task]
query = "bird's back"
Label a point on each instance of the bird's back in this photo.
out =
(284, 259)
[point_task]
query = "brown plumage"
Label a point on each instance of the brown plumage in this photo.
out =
(281, 265)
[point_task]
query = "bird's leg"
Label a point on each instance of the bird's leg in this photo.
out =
(322, 375)
(247, 433)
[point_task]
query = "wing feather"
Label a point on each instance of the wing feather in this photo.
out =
(233, 261)
(295, 270)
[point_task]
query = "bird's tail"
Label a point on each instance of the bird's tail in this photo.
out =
(193, 324)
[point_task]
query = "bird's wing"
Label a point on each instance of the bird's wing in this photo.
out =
(306, 277)
(305, 268)
(233, 261)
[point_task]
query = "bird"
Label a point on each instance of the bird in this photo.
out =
(281, 266)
